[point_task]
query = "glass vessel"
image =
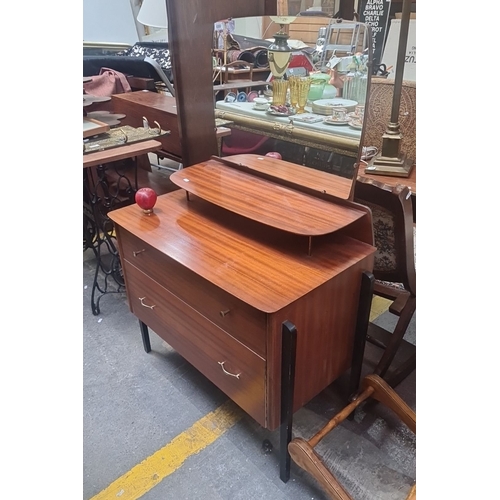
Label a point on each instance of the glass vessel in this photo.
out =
(318, 83)
(293, 82)
(304, 84)
(280, 86)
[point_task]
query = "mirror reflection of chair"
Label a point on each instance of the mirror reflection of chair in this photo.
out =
(394, 271)
(304, 455)
(245, 71)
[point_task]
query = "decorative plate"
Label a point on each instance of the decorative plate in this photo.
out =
(330, 121)
(326, 106)
(278, 113)
(252, 95)
(241, 97)
(231, 97)
(356, 126)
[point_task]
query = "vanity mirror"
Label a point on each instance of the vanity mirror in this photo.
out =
(333, 56)
(233, 270)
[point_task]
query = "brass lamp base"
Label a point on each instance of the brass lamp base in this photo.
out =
(384, 165)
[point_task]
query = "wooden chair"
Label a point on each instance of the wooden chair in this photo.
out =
(394, 269)
(302, 451)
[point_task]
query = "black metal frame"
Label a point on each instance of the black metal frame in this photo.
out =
(99, 198)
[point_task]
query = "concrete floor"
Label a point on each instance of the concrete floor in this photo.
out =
(136, 403)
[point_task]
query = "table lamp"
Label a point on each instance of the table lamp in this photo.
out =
(153, 13)
(279, 53)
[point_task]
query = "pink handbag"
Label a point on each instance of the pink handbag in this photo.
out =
(108, 82)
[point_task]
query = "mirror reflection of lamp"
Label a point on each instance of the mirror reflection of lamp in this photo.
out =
(153, 14)
(279, 53)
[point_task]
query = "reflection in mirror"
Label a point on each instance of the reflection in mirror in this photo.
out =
(310, 76)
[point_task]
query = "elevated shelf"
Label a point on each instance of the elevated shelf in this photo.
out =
(264, 201)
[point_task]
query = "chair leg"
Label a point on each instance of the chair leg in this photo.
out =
(396, 338)
(306, 458)
(402, 371)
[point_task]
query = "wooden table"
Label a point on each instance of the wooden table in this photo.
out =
(342, 140)
(160, 108)
(154, 107)
(224, 271)
(120, 153)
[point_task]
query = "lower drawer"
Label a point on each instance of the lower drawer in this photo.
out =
(225, 361)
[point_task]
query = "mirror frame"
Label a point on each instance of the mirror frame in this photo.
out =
(190, 26)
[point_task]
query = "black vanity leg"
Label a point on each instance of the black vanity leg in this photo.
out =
(288, 350)
(145, 336)
(365, 304)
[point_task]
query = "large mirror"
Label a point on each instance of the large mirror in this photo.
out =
(332, 55)
(294, 85)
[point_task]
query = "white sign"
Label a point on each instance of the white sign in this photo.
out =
(391, 50)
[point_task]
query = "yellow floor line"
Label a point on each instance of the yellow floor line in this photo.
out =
(146, 475)
(379, 306)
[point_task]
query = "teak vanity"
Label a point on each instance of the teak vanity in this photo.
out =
(249, 251)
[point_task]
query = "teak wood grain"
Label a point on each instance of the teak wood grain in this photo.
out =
(265, 268)
(218, 286)
(296, 175)
(242, 321)
(263, 201)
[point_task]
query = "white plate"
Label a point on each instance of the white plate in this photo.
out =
(260, 109)
(336, 101)
(94, 98)
(357, 127)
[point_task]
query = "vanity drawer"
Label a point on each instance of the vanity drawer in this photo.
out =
(225, 361)
(242, 321)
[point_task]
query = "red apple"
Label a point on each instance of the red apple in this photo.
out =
(146, 199)
(274, 154)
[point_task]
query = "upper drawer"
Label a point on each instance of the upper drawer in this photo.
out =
(242, 321)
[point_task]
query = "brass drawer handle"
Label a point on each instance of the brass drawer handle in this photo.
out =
(136, 253)
(145, 305)
(221, 363)
(223, 313)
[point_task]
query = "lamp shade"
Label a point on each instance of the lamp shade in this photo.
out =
(153, 13)
(283, 19)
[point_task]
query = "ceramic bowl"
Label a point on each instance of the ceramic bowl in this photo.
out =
(260, 101)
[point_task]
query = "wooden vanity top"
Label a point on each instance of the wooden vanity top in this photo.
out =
(264, 201)
(265, 268)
